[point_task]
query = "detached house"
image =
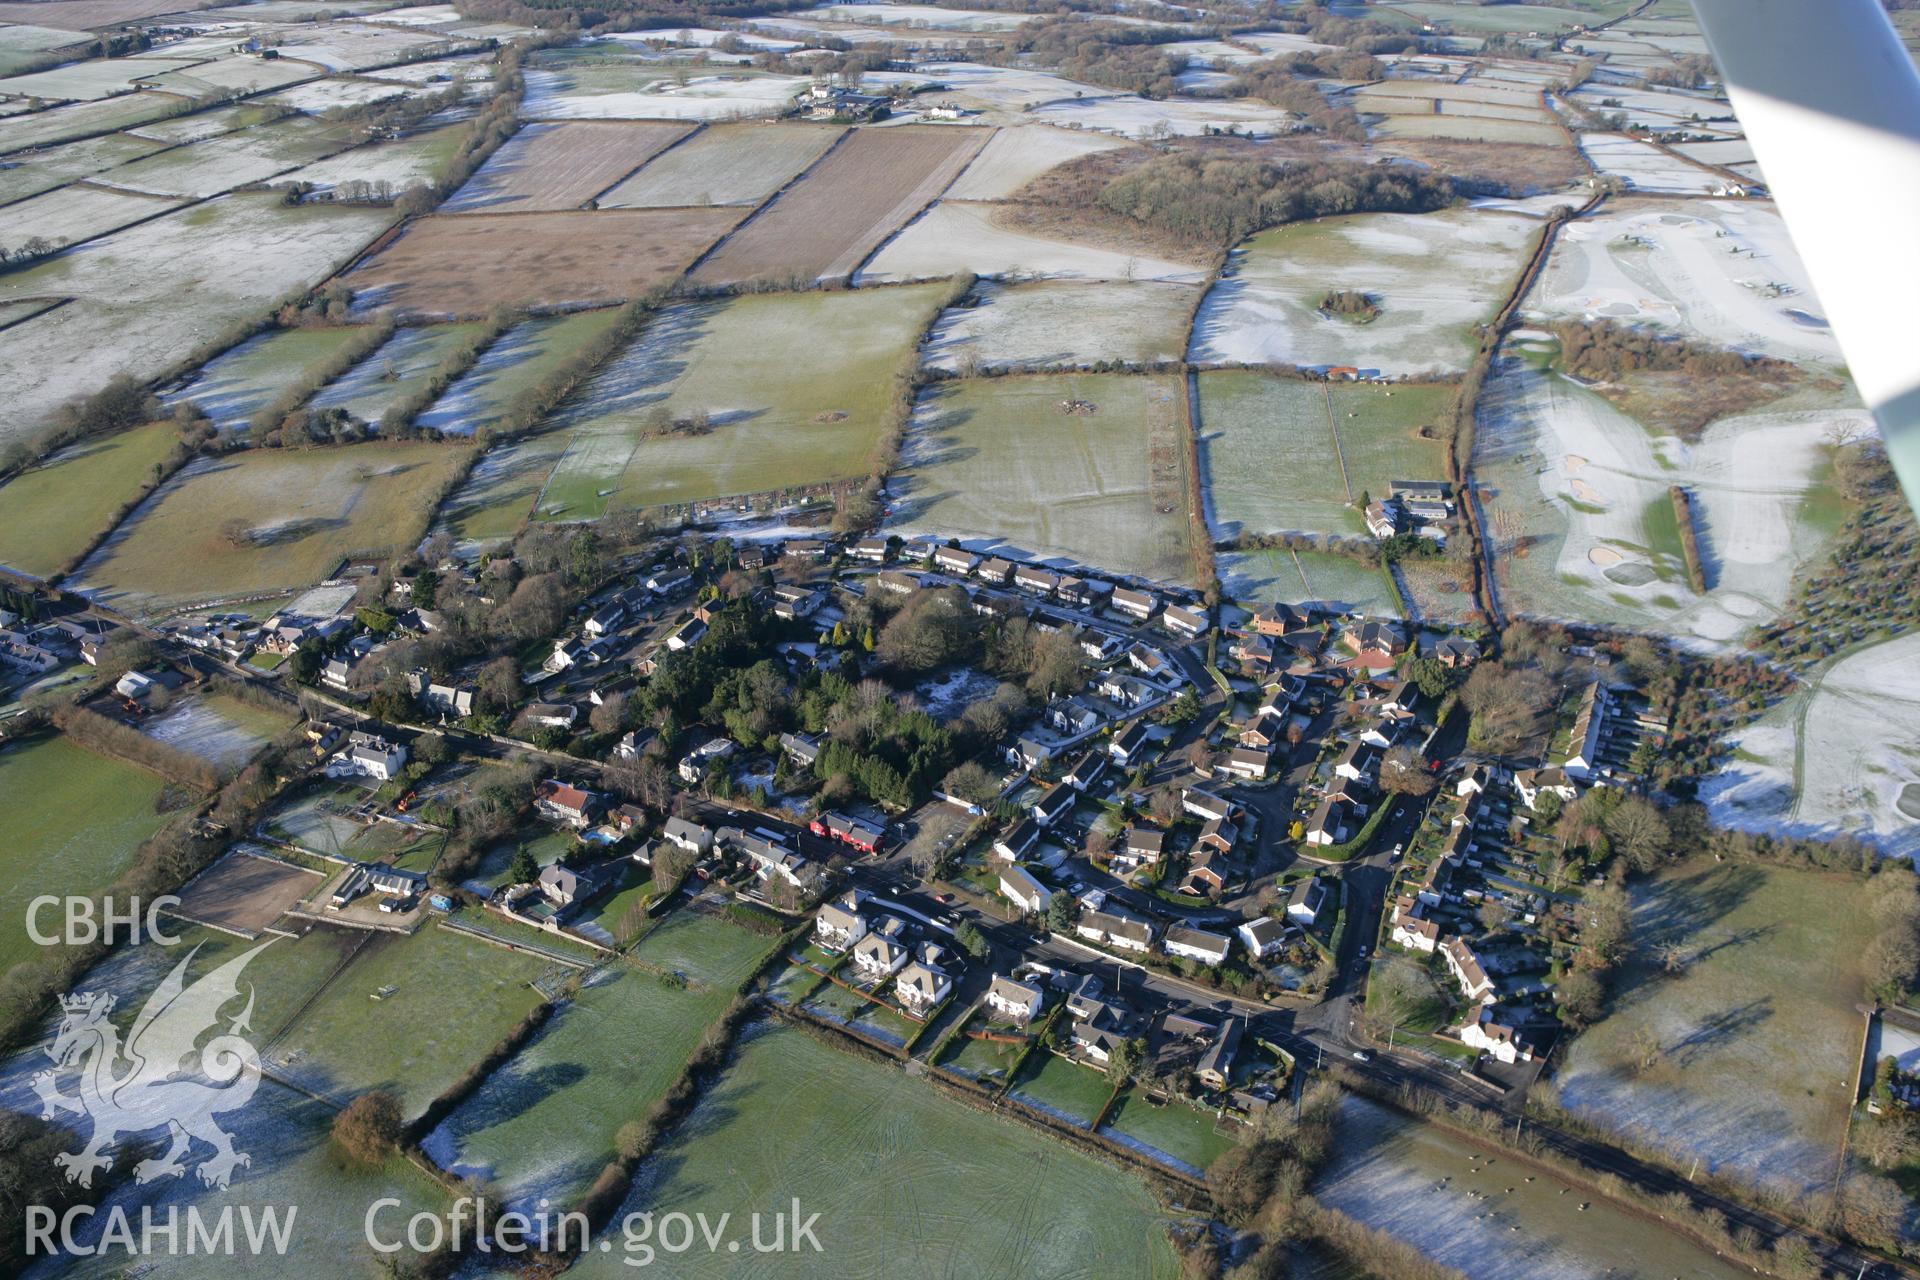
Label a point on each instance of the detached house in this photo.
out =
(1466, 969)
(1137, 604)
(1411, 928)
(1085, 770)
(1013, 844)
(1197, 944)
(1495, 1038)
(1262, 937)
(691, 836)
(871, 550)
(1130, 744)
(1122, 933)
(955, 560)
(1184, 621)
(923, 984)
(1328, 825)
(1250, 763)
(879, 951)
(1306, 902)
(1055, 805)
(1531, 784)
(1019, 887)
(1014, 1001)
(558, 802)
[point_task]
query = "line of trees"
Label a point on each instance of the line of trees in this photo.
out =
(1208, 201)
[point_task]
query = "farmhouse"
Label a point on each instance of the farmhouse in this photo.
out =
(1197, 944)
(1025, 892)
(1015, 1001)
(1466, 969)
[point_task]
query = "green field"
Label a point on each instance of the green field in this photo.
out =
(545, 1123)
(904, 1181)
(73, 820)
(517, 361)
(1510, 18)
(1267, 444)
(706, 950)
(293, 515)
(55, 511)
(498, 494)
(294, 1162)
(794, 386)
(394, 370)
(1000, 458)
(234, 386)
(1173, 1129)
(1262, 577)
(453, 998)
(1759, 1039)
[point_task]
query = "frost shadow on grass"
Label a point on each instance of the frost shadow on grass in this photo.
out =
(646, 372)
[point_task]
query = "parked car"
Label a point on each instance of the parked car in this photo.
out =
(1361, 1055)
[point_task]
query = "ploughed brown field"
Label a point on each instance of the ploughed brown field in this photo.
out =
(463, 266)
(561, 166)
(829, 221)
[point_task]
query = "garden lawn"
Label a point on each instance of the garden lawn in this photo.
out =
(905, 1182)
(1185, 1133)
(1064, 1088)
(795, 388)
(268, 519)
(54, 512)
(1759, 1039)
(545, 1123)
(1002, 459)
(454, 997)
(73, 820)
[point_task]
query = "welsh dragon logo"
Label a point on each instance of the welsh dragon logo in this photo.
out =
(163, 1078)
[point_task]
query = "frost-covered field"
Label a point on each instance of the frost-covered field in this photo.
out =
(403, 162)
(72, 214)
(332, 92)
(145, 297)
(1262, 577)
(1133, 117)
(374, 385)
(1758, 1037)
(1483, 1215)
(917, 15)
(1434, 276)
(1015, 157)
(231, 160)
(1841, 755)
(724, 164)
(1064, 325)
(1583, 524)
(86, 81)
(242, 380)
(554, 95)
(949, 238)
(999, 459)
(1722, 271)
(1644, 166)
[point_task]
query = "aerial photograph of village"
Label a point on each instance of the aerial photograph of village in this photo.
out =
(984, 638)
